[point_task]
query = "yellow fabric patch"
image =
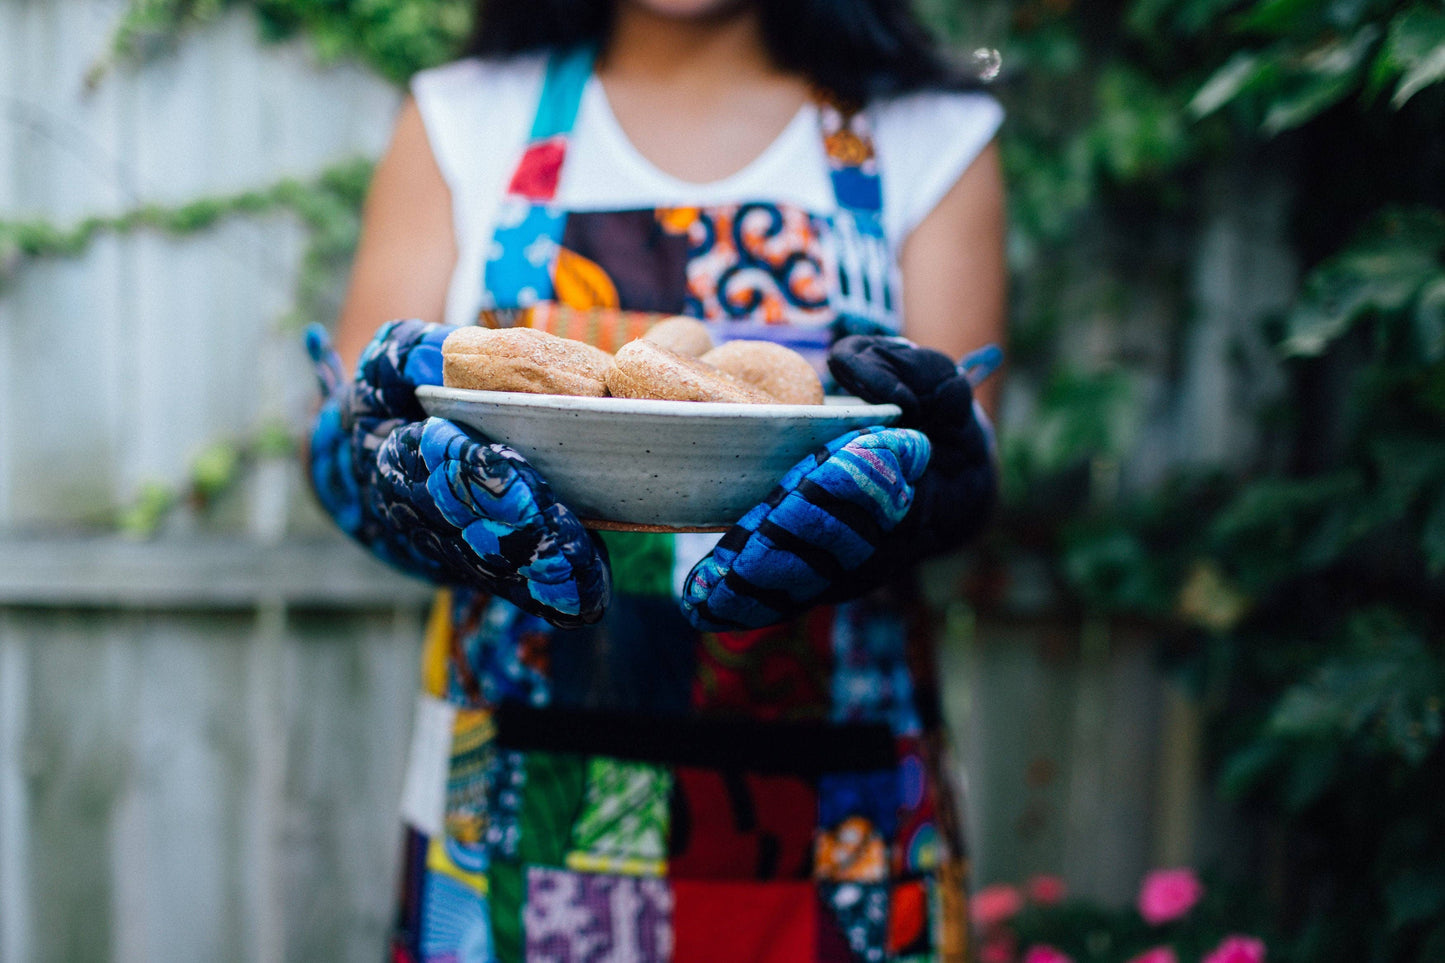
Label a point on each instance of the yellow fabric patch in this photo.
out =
(438, 860)
(615, 865)
(436, 650)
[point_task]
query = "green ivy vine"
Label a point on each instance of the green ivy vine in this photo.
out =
(327, 206)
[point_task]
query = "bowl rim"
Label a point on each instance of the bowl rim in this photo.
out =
(836, 407)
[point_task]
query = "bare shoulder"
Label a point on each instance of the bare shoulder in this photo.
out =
(407, 248)
(954, 272)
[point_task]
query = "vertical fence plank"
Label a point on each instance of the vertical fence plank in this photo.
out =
(15, 852)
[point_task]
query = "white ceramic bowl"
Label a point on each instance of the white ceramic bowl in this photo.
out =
(680, 465)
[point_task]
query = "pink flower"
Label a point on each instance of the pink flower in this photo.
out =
(1043, 953)
(1046, 890)
(996, 904)
(1168, 894)
(1159, 954)
(1237, 949)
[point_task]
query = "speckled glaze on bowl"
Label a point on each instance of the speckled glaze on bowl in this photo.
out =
(677, 465)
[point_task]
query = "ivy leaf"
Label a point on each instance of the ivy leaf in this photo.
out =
(1138, 130)
(1244, 770)
(1414, 47)
(214, 469)
(1319, 80)
(1265, 530)
(1283, 17)
(1382, 271)
(1430, 70)
(1114, 570)
(1430, 321)
(143, 516)
(1381, 696)
(1148, 19)
(1242, 72)
(1081, 415)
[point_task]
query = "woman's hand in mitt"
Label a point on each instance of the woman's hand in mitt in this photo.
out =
(430, 499)
(864, 508)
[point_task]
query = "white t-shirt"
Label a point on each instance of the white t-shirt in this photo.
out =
(478, 114)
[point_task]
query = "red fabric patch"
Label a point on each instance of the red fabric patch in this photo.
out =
(741, 826)
(908, 919)
(781, 672)
(725, 922)
(539, 171)
(832, 944)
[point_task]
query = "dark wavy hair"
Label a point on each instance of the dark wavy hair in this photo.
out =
(857, 49)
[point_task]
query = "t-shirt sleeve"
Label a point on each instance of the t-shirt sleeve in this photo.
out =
(925, 142)
(476, 114)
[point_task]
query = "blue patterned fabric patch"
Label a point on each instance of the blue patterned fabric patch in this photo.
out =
(505, 788)
(870, 675)
(454, 923)
(533, 233)
(861, 912)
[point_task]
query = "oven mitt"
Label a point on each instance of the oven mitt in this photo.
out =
(432, 500)
(867, 506)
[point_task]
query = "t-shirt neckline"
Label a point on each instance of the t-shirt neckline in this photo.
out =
(595, 99)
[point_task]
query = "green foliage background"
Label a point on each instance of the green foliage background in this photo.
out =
(1301, 593)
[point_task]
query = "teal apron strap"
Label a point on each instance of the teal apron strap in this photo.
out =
(566, 78)
(529, 228)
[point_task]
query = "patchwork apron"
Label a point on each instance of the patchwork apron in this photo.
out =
(637, 790)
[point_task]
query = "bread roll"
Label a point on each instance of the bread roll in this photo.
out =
(781, 372)
(523, 359)
(643, 369)
(684, 335)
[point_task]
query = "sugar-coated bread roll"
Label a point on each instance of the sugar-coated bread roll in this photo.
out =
(643, 369)
(779, 371)
(523, 359)
(684, 335)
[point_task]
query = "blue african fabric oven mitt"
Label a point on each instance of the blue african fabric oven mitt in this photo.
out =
(425, 496)
(868, 505)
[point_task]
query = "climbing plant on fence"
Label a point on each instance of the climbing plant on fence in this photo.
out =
(1299, 589)
(1306, 587)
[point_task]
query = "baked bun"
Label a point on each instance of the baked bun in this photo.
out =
(779, 371)
(523, 359)
(643, 369)
(684, 335)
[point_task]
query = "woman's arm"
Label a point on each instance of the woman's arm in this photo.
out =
(954, 280)
(407, 251)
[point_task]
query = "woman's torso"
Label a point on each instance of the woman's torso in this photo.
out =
(637, 790)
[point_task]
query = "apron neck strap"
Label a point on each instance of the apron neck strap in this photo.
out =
(562, 87)
(538, 173)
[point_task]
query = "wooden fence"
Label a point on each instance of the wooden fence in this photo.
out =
(202, 733)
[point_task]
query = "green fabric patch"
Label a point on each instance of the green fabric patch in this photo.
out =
(641, 562)
(550, 802)
(506, 891)
(624, 821)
